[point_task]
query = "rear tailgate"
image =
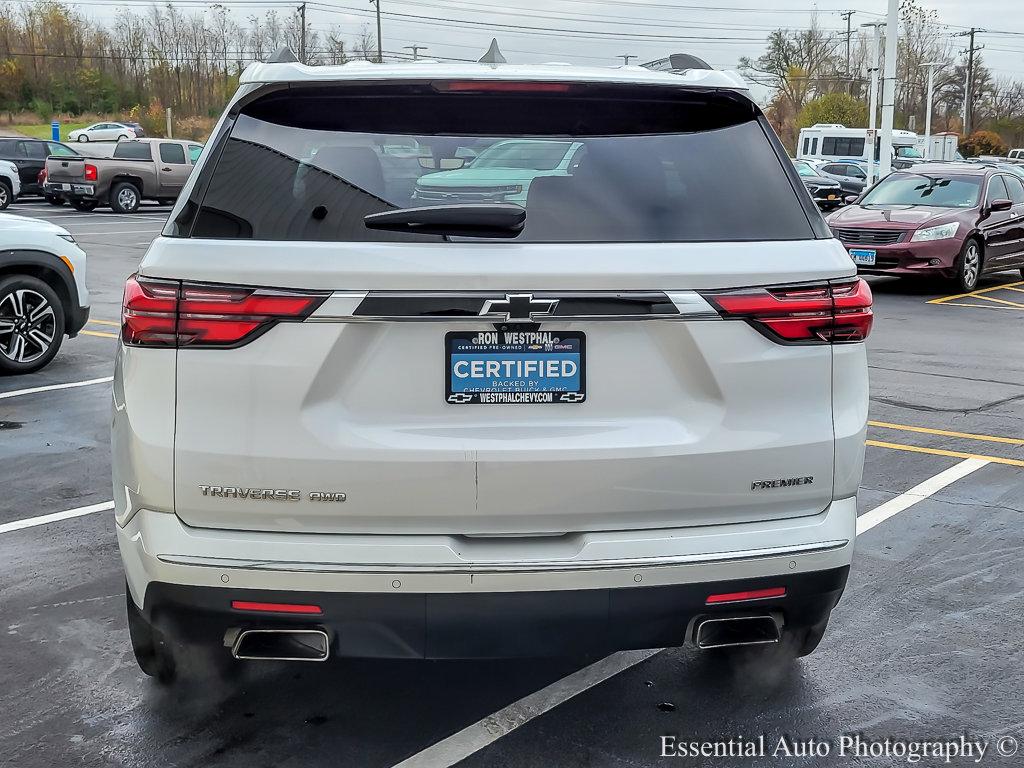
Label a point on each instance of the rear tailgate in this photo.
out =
(348, 420)
(65, 170)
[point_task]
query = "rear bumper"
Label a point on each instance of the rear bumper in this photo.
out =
(491, 625)
(420, 596)
(76, 190)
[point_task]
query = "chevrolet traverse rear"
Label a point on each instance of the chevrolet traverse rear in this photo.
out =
(621, 406)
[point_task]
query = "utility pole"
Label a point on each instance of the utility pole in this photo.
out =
(415, 50)
(302, 33)
(873, 98)
(969, 86)
(625, 58)
(928, 109)
(892, 32)
(848, 15)
(380, 45)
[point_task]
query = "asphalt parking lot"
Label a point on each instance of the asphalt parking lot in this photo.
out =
(926, 644)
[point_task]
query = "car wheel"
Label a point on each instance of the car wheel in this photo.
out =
(84, 205)
(166, 201)
(968, 265)
(125, 198)
(82, 137)
(6, 194)
(31, 324)
(122, 137)
(54, 200)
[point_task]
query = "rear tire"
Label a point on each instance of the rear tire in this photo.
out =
(125, 198)
(6, 194)
(969, 265)
(152, 653)
(83, 137)
(122, 137)
(31, 324)
(84, 205)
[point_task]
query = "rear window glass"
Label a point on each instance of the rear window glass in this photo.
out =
(595, 164)
(133, 150)
(172, 153)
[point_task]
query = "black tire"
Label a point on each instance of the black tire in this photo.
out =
(122, 137)
(125, 198)
(54, 200)
(84, 205)
(166, 201)
(82, 138)
(153, 654)
(32, 312)
(971, 255)
(6, 194)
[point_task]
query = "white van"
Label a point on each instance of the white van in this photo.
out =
(828, 141)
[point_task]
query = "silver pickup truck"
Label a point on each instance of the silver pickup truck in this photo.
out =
(139, 169)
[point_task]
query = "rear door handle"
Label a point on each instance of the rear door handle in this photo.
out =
(165, 169)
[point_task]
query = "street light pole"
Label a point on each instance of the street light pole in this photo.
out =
(873, 98)
(380, 45)
(932, 65)
(892, 32)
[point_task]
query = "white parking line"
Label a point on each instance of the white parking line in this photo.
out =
(51, 387)
(31, 522)
(482, 733)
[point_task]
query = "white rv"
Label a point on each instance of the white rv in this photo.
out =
(830, 141)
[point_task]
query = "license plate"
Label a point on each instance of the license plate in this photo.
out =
(864, 257)
(65, 187)
(515, 367)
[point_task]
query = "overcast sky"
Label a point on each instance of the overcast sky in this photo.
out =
(597, 31)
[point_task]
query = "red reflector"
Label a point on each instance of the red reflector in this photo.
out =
(830, 313)
(169, 313)
(738, 597)
(90, 172)
(501, 86)
(245, 605)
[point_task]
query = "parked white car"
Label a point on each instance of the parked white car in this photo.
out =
(10, 183)
(43, 296)
(102, 132)
(627, 412)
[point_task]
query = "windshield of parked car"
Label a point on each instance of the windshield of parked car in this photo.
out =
(592, 164)
(910, 152)
(938, 190)
(527, 155)
(805, 170)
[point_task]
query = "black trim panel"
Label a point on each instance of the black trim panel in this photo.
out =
(385, 304)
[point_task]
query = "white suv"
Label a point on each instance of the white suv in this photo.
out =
(627, 413)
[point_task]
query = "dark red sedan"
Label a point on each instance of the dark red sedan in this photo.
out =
(955, 220)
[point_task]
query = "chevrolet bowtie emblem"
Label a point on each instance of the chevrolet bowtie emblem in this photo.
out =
(520, 306)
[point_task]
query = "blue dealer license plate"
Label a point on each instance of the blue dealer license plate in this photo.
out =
(496, 367)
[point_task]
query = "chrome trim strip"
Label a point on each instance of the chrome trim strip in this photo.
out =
(496, 318)
(546, 566)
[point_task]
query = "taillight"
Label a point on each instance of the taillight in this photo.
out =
(831, 313)
(91, 173)
(178, 314)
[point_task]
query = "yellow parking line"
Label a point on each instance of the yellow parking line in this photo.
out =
(947, 433)
(99, 333)
(944, 299)
(1011, 288)
(941, 452)
(981, 306)
(104, 322)
(1002, 301)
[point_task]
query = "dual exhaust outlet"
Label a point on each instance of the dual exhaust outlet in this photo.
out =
(315, 645)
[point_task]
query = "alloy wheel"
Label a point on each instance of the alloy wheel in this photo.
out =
(972, 264)
(126, 198)
(3, 196)
(28, 325)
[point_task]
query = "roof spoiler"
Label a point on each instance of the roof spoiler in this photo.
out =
(677, 62)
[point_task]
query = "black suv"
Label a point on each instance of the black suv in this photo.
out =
(30, 157)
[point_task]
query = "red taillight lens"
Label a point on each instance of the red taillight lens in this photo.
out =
(819, 314)
(169, 313)
(91, 173)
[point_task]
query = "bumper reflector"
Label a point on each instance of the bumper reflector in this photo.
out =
(244, 605)
(739, 597)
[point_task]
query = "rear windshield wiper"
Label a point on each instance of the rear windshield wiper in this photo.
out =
(467, 220)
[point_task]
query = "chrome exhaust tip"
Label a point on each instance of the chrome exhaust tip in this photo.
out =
(282, 645)
(731, 631)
